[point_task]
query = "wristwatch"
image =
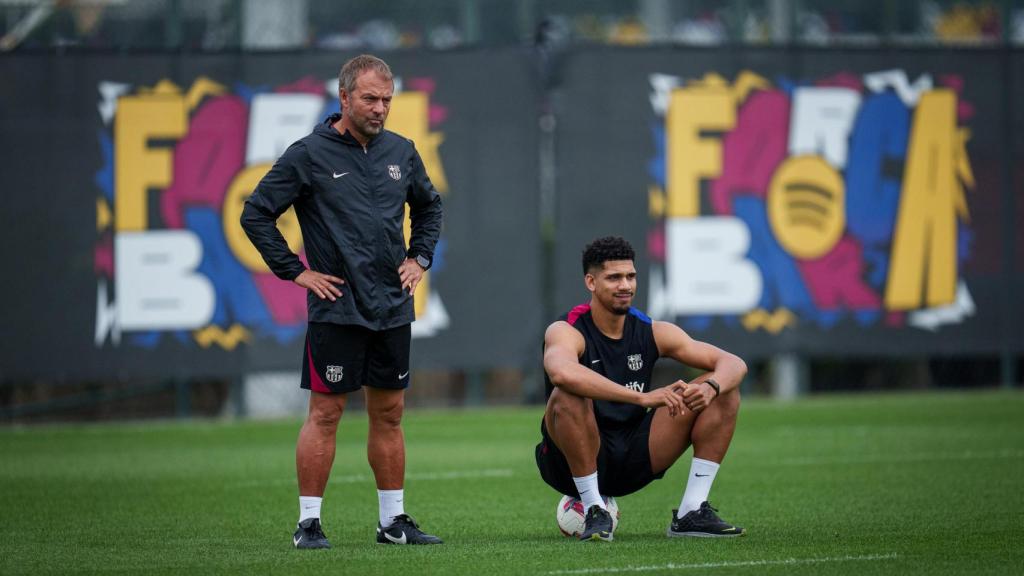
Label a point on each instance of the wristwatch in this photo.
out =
(423, 261)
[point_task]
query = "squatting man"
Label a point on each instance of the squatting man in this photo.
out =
(605, 432)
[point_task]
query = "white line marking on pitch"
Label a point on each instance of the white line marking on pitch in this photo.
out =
(357, 478)
(784, 561)
(456, 475)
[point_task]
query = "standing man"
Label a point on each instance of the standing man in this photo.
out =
(349, 182)
(605, 432)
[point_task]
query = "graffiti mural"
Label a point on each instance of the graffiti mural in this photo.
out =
(775, 202)
(171, 260)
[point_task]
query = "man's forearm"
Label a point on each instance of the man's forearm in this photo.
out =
(582, 381)
(263, 233)
(426, 228)
(727, 373)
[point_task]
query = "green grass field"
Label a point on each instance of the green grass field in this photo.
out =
(869, 484)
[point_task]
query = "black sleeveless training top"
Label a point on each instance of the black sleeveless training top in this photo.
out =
(628, 362)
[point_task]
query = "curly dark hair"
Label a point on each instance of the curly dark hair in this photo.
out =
(604, 249)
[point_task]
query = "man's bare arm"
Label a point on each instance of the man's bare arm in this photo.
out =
(726, 370)
(563, 346)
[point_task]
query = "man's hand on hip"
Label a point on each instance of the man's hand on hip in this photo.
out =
(411, 273)
(323, 285)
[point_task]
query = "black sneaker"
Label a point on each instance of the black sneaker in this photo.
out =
(405, 530)
(309, 534)
(702, 523)
(597, 525)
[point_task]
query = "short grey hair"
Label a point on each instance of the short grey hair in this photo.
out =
(356, 66)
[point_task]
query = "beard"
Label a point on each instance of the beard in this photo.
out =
(366, 128)
(619, 308)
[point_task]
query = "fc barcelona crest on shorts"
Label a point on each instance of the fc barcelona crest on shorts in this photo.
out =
(635, 362)
(395, 171)
(335, 374)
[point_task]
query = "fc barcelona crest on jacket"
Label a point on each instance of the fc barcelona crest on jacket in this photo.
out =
(395, 171)
(635, 362)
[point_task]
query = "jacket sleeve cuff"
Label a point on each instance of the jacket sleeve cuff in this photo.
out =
(291, 275)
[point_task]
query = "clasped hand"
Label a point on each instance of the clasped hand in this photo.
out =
(679, 396)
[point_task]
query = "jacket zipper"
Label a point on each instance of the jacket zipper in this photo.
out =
(378, 281)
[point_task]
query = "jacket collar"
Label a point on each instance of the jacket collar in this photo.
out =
(327, 130)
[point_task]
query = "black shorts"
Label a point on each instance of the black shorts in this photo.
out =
(623, 461)
(341, 358)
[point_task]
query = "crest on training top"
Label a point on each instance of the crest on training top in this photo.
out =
(635, 362)
(335, 373)
(395, 171)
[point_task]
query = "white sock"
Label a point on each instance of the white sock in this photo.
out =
(698, 485)
(309, 507)
(390, 506)
(589, 494)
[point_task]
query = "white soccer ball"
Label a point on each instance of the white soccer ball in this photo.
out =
(571, 515)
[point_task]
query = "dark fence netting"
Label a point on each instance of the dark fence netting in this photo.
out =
(819, 202)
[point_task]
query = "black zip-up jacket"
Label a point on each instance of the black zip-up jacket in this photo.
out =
(351, 206)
